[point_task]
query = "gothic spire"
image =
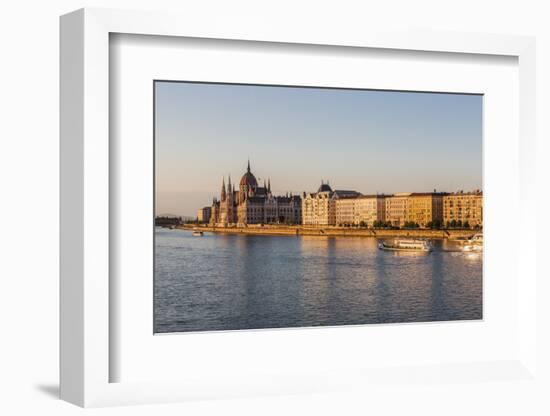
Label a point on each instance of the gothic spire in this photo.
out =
(268, 184)
(222, 196)
(248, 166)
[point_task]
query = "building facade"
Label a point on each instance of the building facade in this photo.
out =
(342, 208)
(318, 207)
(203, 214)
(345, 211)
(354, 209)
(466, 207)
(397, 206)
(425, 209)
(369, 210)
(253, 204)
(344, 204)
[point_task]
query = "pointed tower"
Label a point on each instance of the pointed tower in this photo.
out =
(230, 202)
(223, 195)
(269, 185)
(248, 167)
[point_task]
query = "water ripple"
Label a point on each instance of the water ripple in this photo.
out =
(224, 282)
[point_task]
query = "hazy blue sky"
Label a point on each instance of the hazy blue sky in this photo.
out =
(369, 141)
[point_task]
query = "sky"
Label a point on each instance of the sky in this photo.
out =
(364, 140)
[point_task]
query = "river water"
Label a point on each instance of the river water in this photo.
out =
(228, 282)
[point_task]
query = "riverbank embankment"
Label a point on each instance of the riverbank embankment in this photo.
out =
(294, 230)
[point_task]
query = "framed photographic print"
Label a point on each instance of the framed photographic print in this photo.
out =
(308, 251)
(266, 212)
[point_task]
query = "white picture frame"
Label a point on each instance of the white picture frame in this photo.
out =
(85, 210)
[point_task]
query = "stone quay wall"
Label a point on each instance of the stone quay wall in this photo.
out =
(293, 230)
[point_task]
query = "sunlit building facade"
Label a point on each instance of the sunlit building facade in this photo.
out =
(425, 209)
(397, 206)
(318, 207)
(345, 211)
(253, 204)
(344, 204)
(466, 207)
(203, 214)
(369, 210)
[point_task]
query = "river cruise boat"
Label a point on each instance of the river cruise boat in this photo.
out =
(401, 244)
(197, 233)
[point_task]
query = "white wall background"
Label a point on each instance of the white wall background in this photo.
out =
(29, 206)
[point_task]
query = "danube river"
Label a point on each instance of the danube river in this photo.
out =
(227, 282)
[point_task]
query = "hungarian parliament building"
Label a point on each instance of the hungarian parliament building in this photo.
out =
(254, 204)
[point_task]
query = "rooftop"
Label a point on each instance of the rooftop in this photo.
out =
(325, 187)
(342, 193)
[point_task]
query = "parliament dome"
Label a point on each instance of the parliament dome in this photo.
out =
(248, 179)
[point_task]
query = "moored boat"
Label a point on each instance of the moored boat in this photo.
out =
(475, 243)
(401, 244)
(472, 247)
(197, 233)
(477, 238)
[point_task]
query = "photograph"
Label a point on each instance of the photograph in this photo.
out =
(266, 208)
(280, 206)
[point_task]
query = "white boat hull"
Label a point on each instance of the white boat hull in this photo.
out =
(423, 248)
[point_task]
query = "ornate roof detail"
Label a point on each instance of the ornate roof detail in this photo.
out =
(342, 194)
(325, 187)
(248, 179)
